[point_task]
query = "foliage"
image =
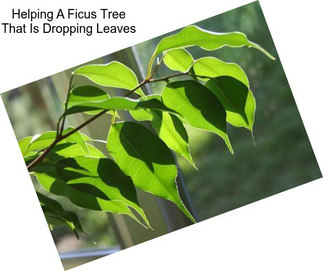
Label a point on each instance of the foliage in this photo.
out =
(206, 93)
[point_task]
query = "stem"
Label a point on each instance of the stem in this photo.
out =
(66, 105)
(156, 68)
(113, 116)
(134, 89)
(168, 77)
(60, 138)
(60, 128)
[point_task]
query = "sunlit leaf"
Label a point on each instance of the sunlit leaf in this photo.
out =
(141, 115)
(24, 144)
(119, 103)
(44, 140)
(113, 74)
(207, 40)
(171, 130)
(49, 178)
(146, 159)
(178, 60)
(213, 67)
(76, 137)
(100, 177)
(198, 106)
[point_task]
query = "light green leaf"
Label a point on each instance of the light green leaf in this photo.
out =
(75, 138)
(100, 177)
(48, 177)
(178, 60)
(119, 103)
(85, 93)
(213, 67)
(43, 141)
(198, 106)
(207, 40)
(65, 149)
(236, 98)
(172, 131)
(141, 115)
(68, 150)
(24, 144)
(113, 74)
(146, 159)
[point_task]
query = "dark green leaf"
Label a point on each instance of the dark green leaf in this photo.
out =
(146, 159)
(237, 100)
(83, 94)
(198, 106)
(56, 215)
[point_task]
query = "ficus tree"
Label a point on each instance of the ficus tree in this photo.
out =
(204, 93)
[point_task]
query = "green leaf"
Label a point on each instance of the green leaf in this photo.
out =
(172, 131)
(24, 144)
(68, 150)
(207, 40)
(113, 74)
(100, 177)
(75, 138)
(198, 106)
(49, 178)
(43, 141)
(56, 215)
(178, 60)
(86, 93)
(213, 67)
(119, 103)
(236, 98)
(146, 159)
(141, 115)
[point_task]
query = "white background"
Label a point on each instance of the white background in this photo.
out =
(283, 232)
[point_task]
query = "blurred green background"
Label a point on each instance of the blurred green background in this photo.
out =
(281, 159)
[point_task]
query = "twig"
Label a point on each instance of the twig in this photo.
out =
(66, 105)
(60, 135)
(166, 78)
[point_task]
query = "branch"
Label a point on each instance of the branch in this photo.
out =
(166, 78)
(61, 137)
